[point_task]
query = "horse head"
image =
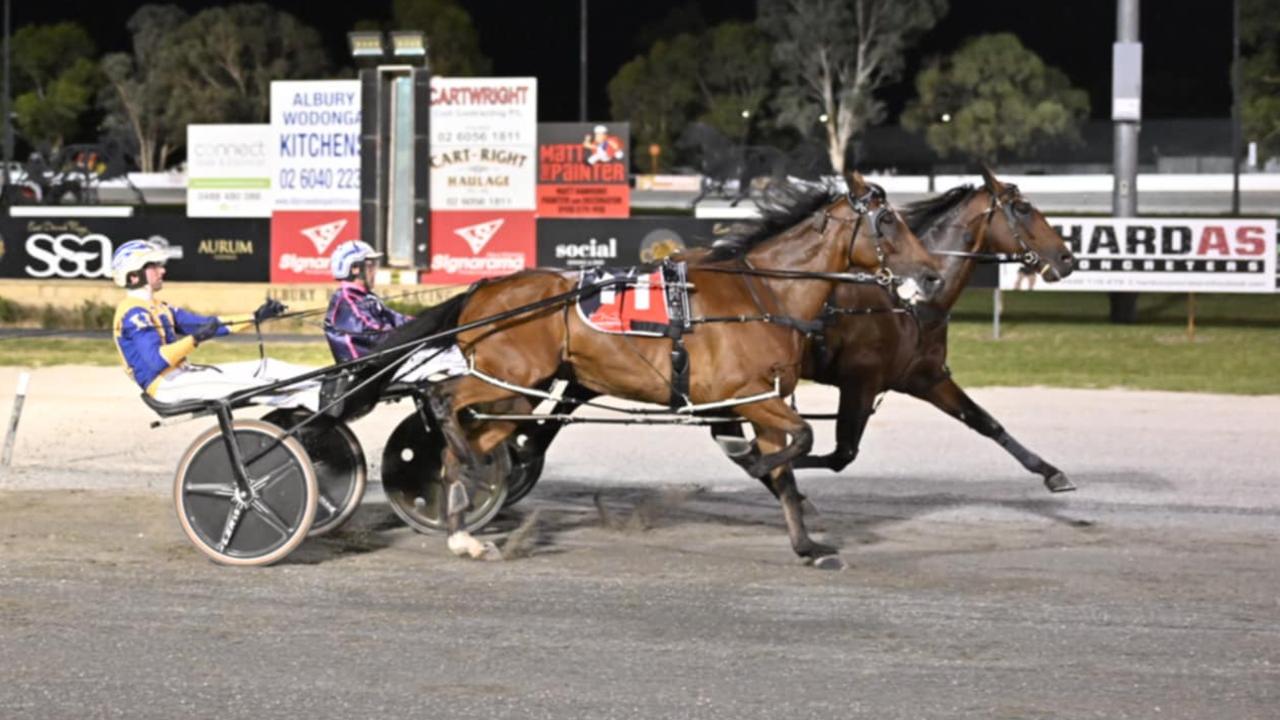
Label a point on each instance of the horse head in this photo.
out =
(1015, 226)
(884, 243)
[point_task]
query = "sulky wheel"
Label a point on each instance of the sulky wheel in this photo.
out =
(255, 530)
(411, 480)
(526, 468)
(338, 461)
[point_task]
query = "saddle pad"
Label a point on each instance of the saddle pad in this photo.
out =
(647, 302)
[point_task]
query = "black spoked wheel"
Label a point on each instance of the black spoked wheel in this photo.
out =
(526, 469)
(411, 465)
(338, 461)
(233, 529)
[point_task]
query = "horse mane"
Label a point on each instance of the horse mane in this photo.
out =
(924, 214)
(783, 207)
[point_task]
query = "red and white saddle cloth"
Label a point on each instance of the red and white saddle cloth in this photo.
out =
(648, 300)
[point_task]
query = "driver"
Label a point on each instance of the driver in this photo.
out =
(155, 338)
(358, 320)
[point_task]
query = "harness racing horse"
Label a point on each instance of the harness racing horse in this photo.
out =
(751, 301)
(871, 347)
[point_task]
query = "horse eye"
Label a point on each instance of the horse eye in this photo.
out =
(1022, 207)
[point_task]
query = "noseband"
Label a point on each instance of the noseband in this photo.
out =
(1030, 258)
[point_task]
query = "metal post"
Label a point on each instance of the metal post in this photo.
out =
(1235, 108)
(582, 64)
(1124, 194)
(18, 399)
(997, 306)
(6, 134)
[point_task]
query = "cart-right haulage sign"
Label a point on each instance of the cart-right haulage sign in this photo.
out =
(1211, 255)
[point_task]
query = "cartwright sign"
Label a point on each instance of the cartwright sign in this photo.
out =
(1165, 255)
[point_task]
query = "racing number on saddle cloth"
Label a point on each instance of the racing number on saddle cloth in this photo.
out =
(650, 301)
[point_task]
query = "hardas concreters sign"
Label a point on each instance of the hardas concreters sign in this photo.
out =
(212, 250)
(1211, 255)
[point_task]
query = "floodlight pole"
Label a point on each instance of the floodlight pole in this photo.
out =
(1124, 194)
(1236, 145)
(582, 63)
(6, 134)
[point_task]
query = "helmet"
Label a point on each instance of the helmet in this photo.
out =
(347, 255)
(600, 129)
(135, 255)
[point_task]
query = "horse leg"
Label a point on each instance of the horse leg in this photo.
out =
(949, 398)
(856, 408)
(782, 482)
(460, 463)
(734, 444)
(775, 414)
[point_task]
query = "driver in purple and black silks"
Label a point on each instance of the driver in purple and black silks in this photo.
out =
(358, 320)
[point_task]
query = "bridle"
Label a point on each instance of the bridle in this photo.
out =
(1004, 201)
(861, 205)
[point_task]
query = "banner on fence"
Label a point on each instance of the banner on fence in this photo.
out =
(582, 170)
(1211, 255)
(229, 170)
(212, 250)
(598, 243)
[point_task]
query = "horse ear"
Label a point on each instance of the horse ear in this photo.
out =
(994, 186)
(857, 184)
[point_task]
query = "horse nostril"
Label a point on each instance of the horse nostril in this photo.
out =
(932, 282)
(1068, 259)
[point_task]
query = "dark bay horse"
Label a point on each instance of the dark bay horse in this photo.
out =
(866, 354)
(749, 300)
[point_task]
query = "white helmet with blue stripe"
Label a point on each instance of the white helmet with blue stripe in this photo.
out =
(348, 255)
(137, 254)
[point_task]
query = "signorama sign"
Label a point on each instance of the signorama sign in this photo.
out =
(1212, 255)
(484, 140)
(229, 170)
(315, 126)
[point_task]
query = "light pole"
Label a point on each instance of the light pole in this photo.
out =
(582, 63)
(6, 134)
(1126, 112)
(1235, 108)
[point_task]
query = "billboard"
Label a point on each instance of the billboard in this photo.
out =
(229, 170)
(1212, 255)
(315, 127)
(213, 250)
(303, 241)
(582, 170)
(606, 243)
(468, 246)
(483, 143)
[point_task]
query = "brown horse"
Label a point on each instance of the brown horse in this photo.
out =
(866, 353)
(751, 299)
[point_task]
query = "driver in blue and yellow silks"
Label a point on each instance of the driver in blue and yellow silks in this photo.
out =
(154, 338)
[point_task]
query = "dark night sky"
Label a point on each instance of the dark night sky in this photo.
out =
(1187, 43)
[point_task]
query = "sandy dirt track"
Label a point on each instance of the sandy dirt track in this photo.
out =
(1153, 591)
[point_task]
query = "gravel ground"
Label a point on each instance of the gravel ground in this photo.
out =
(1152, 591)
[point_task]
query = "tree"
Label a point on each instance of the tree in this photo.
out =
(139, 88)
(221, 62)
(1260, 74)
(55, 80)
(832, 55)
(657, 92)
(733, 76)
(453, 45)
(994, 97)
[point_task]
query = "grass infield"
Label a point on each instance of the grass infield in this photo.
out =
(1054, 339)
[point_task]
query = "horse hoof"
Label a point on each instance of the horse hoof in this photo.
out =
(1058, 482)
(829, 562)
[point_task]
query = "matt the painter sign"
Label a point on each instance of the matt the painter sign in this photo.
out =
(316, 129)
(582, 170)
(1212, 255)
(229, 170)
(483, 143)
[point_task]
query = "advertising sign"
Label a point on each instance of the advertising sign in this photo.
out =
(483, 143)
(315, 127)
(468, 246)
(301, 243)
(1214, 255)
(608, 243)
(582, 170)
(80, 249)
(229, 170)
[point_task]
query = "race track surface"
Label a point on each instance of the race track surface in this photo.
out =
(658, 581)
